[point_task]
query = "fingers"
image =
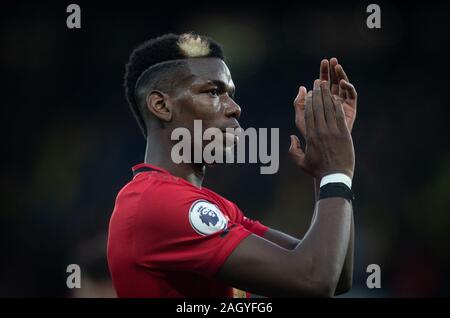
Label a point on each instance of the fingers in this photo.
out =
(309, 115)
(340, 72)
(341, 76)
(348, 88)
(340, 117)
(334, 77)
(296, 147)
(299, 106)
(324, 70)
(317, 106)
(328, 106)
(299, 101)
(296, 151)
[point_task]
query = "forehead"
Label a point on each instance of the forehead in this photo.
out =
(209, 69)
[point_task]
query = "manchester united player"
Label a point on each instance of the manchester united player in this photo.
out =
(171, 237)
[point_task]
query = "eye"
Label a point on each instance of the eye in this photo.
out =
(213, 92)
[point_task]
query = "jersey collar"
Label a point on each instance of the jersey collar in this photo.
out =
(143, 167)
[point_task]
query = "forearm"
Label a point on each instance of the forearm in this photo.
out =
(325, 245)
(346, 278)
(316, 193)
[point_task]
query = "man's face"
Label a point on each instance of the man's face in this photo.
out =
(206, 94)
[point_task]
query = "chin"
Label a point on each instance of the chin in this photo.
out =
(225, 152)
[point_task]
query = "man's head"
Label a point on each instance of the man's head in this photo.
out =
(174, 79)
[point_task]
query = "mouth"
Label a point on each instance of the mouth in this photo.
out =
(232, 128)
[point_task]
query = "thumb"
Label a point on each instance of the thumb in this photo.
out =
(296, 151)
(299, 101)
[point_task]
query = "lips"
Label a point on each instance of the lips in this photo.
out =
(234, 127)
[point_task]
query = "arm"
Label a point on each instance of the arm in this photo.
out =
(282, 239)
(344, 92)
(346, 278)
(288, 242)
(313, 267)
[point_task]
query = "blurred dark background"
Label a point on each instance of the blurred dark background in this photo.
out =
(70, 139)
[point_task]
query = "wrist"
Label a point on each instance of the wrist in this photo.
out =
(336, 185)
(336, 178)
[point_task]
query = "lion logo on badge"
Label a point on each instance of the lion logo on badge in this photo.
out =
(206, 218)
(209, 217)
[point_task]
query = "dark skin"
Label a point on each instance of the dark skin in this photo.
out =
(343, 91)
(278, 264)
(206, 94)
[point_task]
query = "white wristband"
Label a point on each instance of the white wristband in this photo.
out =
(336, 177)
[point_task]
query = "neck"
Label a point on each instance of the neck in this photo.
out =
(158, 151)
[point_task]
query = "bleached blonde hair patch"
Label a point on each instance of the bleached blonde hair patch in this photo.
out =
(193, 45)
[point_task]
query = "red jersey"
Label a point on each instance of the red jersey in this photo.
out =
(168, 238)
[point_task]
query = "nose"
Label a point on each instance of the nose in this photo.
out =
(232, 109)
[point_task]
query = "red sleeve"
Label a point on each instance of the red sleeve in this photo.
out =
(184, 233)
(253, 226)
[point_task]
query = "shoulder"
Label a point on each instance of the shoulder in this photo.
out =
(158, 187)
(167, 201)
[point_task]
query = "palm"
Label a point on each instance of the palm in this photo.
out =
(349, 106)
(343, 92)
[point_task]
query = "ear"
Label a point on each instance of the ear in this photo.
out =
(158, 104)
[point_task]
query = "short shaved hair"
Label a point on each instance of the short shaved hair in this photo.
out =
(153, 61)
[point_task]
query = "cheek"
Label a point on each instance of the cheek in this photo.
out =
(205, 105)
(198, 107)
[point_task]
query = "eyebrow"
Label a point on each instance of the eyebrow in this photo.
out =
(231, 90)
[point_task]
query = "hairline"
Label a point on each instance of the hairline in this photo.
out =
(185, 62)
